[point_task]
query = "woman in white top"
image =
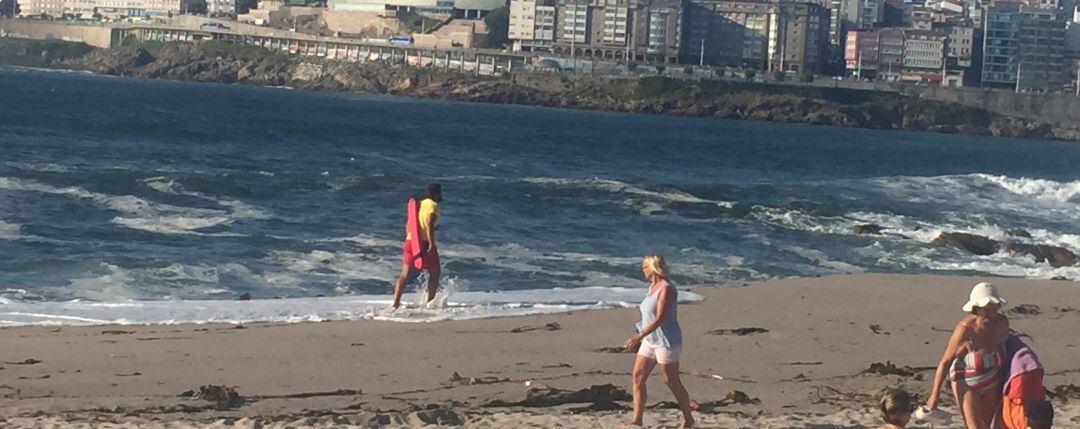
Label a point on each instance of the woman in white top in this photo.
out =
(660, 339)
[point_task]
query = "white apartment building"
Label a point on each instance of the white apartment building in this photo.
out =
(471, 8)
(924, 50)
(532, 24)
(88, 9)
(616, 22)
(221, 7)
(574, 23)
(41, 7)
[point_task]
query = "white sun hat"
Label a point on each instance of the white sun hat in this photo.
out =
(982, 295)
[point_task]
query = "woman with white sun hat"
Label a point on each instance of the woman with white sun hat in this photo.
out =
(974, 358)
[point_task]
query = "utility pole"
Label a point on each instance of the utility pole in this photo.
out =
(858, 69)
(627, 37)
(573, 39)
(781, 28)
(1018, 65)
(1078, 79)
(701, 62)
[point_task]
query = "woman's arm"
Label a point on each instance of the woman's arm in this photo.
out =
(665, 298)
(951, 350)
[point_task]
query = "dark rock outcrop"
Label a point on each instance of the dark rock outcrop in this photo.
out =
(1056, 256)
(867, 228)
(1018, 233)
(971, 243)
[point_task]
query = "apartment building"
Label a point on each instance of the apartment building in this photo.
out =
(656, 30)
(532, 24)
(792, 37)
(88, 9)
(1025, 41)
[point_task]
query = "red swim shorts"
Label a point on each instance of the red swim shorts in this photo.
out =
(426, 261)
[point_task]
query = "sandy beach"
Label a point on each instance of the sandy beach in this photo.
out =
(799, 352)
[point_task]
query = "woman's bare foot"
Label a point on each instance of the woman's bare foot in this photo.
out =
(631, 422)
(694, 405)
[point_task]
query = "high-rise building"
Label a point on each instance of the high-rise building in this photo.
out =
(861, 51)
(735, 33)
(532, 24)
(609, 30)
(104, 8)
(791, 36)
(1025, 41)
(863, 14)
(924, 55)
(53, 8)
(801, 44)
(656, 30)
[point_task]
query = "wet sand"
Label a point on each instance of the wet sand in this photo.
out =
(787, 353)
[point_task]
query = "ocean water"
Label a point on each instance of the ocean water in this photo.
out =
(142, 201)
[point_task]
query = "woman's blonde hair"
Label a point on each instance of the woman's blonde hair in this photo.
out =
(655, 263)
(894, 404)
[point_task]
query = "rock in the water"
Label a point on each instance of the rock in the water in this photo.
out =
(867, 228)
(1018, 233)
(972, 243)
(1057, 256)
(245, 296)
(438, 416)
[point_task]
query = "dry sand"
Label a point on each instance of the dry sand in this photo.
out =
(807, 370)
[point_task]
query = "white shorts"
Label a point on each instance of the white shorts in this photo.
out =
(660, 354)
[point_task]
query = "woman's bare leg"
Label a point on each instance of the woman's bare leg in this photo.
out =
(966, 402)
(670, 371)
(643, 366)
(987, 404)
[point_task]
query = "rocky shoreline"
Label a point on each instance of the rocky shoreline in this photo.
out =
(1016, 241)
(226, 63)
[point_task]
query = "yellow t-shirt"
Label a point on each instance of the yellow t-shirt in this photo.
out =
(428, 208)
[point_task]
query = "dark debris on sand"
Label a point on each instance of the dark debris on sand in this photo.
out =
(734, 397)
(438, 416)
(1065, 392)
(742, 332)
(458, 379)
(551, 326)
(30, 361)
(889, 368)
(1024, 310)
(615, 350)
(553, 397)
(222, 397)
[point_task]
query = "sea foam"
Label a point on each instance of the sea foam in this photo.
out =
(452, 306)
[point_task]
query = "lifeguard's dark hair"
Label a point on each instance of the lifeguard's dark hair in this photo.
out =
(433, 190)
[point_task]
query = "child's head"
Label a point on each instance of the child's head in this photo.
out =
(896, 407)
(1040, 414)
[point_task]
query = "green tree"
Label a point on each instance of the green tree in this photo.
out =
(498, 25)
(9, 8)
(807, 77)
